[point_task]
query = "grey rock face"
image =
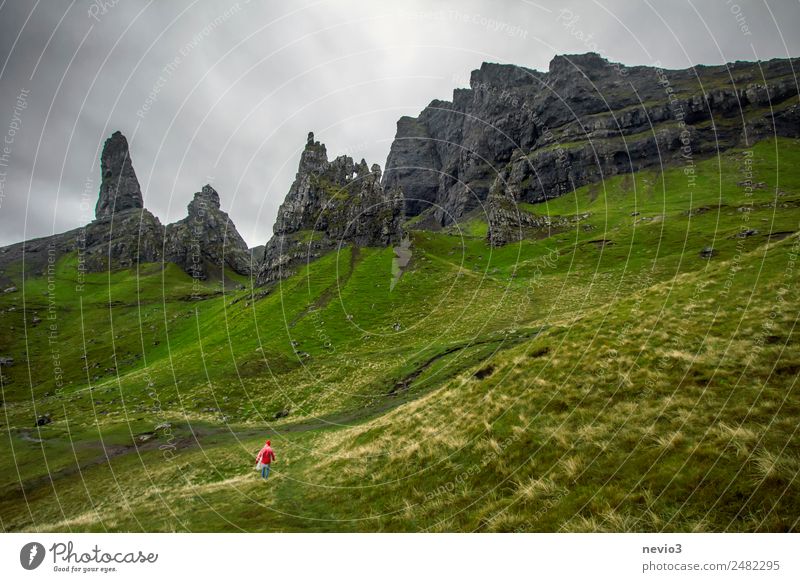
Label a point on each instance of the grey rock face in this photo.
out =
(329, 204)
(415, 162)
(582, 120)
(257, 253)
(119, 188)
(206, 241)
(707, 252)
(128, 238)
(507, 220)
(508, 223)
(132, 236)
(125, 234)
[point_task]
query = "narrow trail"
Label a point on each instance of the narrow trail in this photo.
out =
(110, 452)
(325, 297)
(195, 437)
(399, 394)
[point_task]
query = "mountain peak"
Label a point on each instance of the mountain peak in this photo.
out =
(206, 241)
(202, 244)
(339, 201)
(495, 74)
(119, 188)
(574, 125)
(581, 62)
(207, 196)
(314, 157)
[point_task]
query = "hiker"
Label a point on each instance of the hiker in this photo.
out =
(263, 459)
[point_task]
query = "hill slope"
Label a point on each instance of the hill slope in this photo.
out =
(629, 365)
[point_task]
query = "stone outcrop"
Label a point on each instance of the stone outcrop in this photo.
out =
(121, 241)
(119, 187)
(125, 234)
(515, 135)
(582, 120)
(330, 203)
(509, 223)
(206, 240)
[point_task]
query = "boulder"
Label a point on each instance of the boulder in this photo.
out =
(707, 252)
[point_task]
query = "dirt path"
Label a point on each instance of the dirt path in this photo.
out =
(325, 297)
(396, 397)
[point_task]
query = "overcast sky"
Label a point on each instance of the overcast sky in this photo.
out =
(225, 92)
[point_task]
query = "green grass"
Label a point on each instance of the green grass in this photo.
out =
(601, 377)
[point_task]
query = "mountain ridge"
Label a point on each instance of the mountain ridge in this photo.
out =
(516, 135)
(526, 136)
(328, 204)
(125, 233)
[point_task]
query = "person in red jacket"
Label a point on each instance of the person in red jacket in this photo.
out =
(264, 458)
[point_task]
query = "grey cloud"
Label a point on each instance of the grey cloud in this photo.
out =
(254, 77)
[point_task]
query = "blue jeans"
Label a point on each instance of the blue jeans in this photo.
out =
(265, 471)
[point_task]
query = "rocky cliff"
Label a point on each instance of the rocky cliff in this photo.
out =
(125, 234)
(515, 135)
(526, 136)
(206, 240)
(119, 187)
(330, 203)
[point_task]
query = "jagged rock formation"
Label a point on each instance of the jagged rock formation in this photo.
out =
(131, 237)
(206, 239)
(544, 134)
(516, 135)
(121, 241)
(508, 223)
(119, 188)
(124, 234)
(330, 203)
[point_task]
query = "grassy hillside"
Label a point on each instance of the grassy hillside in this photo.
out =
(602, 375)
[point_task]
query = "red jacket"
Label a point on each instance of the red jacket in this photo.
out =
(266, 455)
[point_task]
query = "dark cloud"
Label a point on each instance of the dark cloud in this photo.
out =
(224, 92)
